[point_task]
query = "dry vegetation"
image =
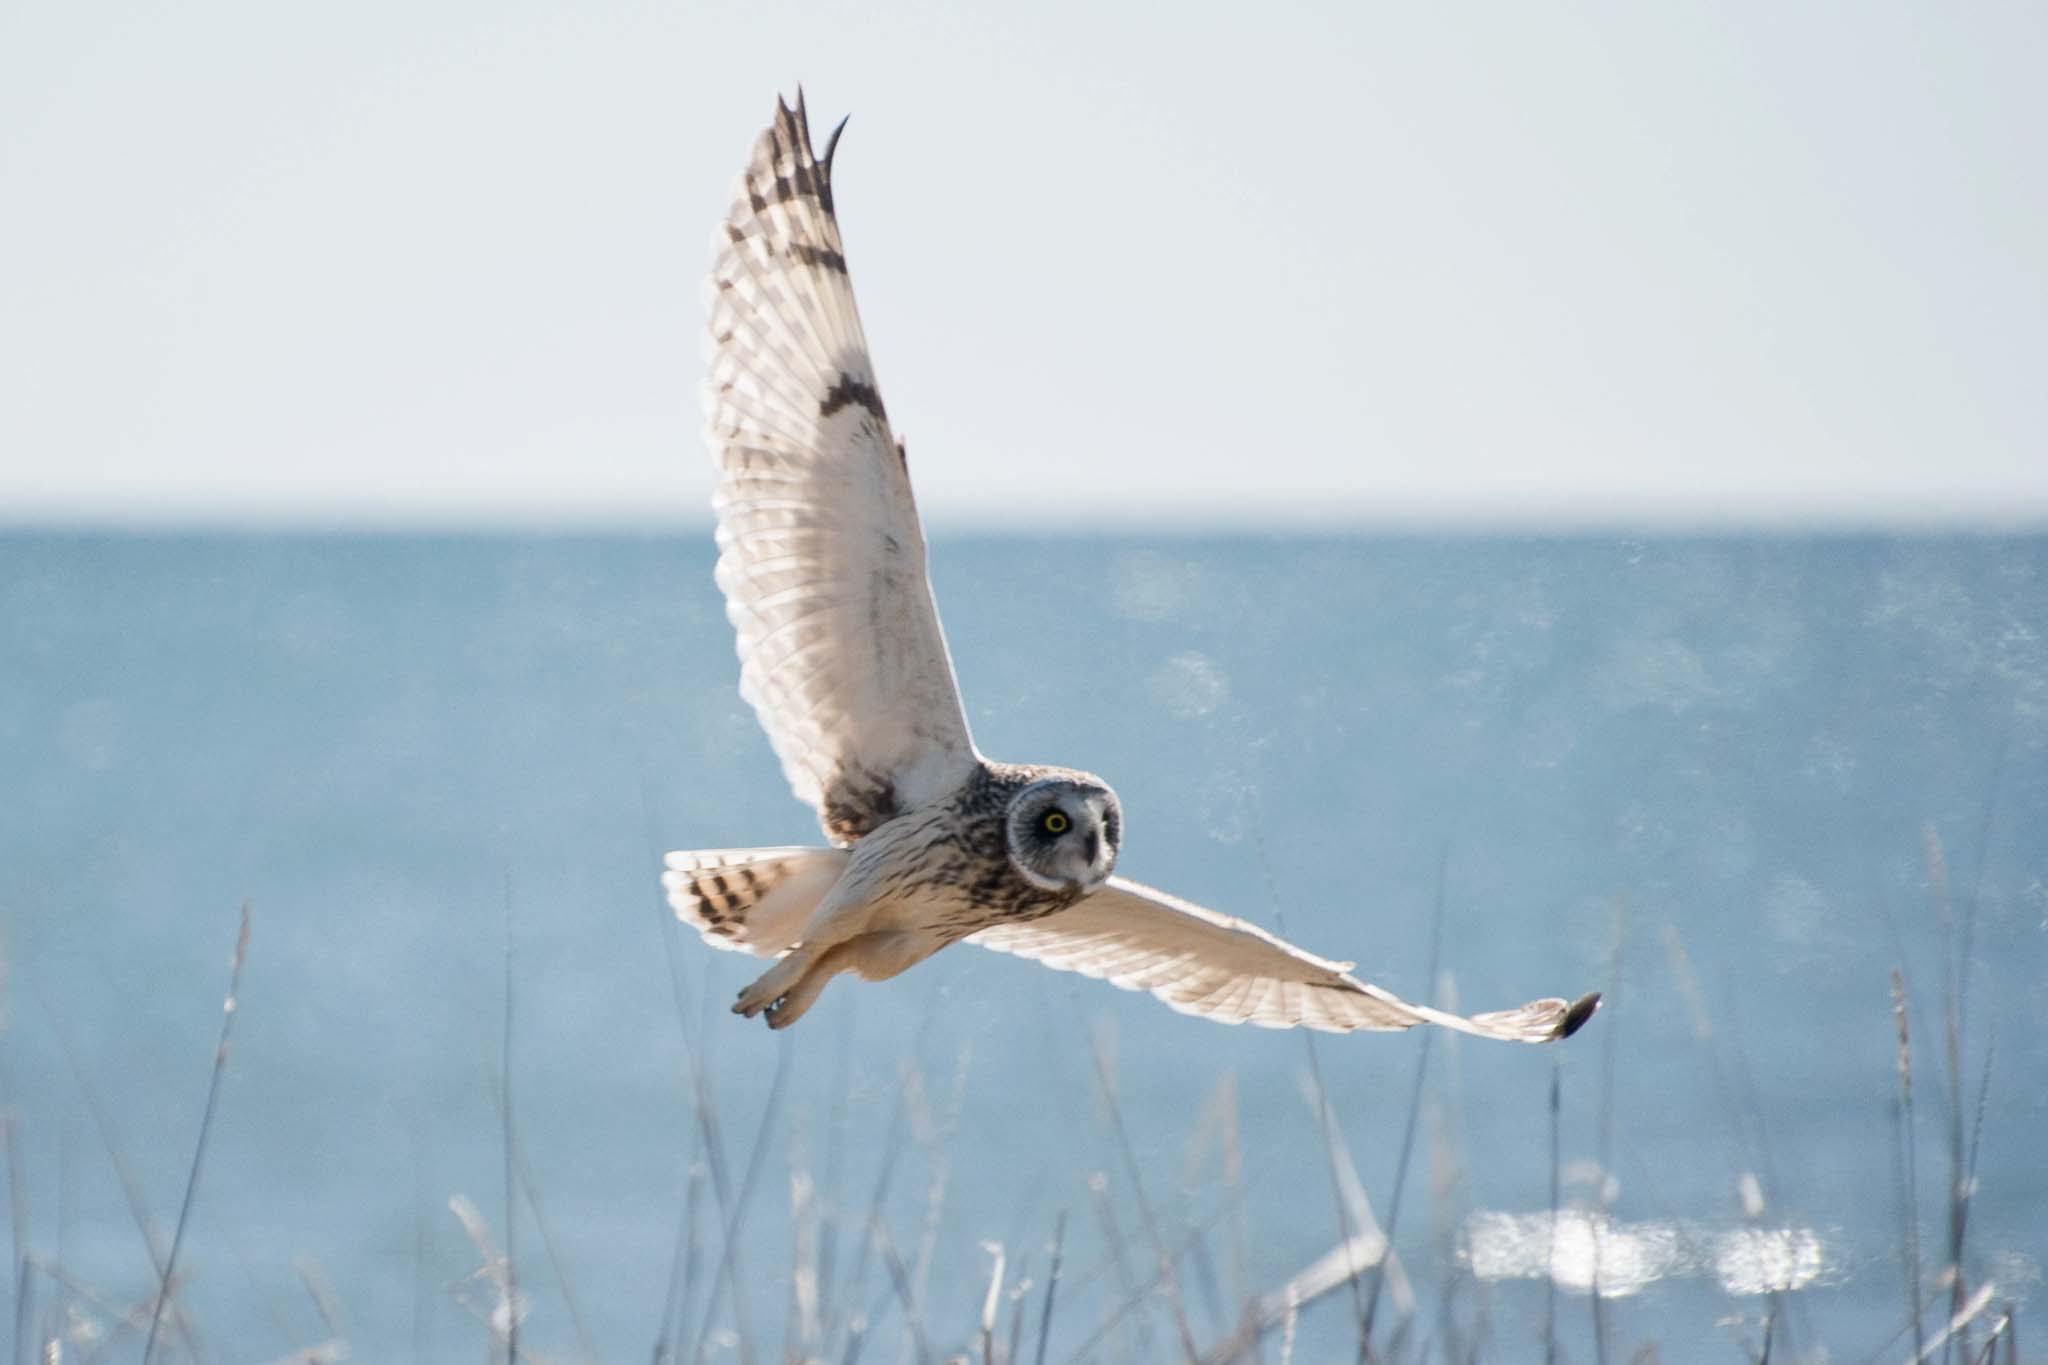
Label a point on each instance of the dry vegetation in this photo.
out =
(1154, 1285)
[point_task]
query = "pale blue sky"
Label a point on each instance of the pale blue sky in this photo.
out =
(1683, 261)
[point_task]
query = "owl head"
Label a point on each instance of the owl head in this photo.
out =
(1063, 831)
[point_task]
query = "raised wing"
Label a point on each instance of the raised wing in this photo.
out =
(1220, 968)
(821, 557)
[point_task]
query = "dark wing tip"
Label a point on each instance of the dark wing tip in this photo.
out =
(792, 128)
(832, 146)
(1576, 1015)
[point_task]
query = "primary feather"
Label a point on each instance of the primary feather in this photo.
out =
(1225, 969)
(821, 557)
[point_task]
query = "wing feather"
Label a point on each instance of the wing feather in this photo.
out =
(1203, 963)
(821, 554)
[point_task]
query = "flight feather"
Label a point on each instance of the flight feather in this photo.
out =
(1204, 963)
(821, 554)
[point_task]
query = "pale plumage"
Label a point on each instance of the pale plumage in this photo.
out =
(821, 556)
(822, 562)
(1216, 967)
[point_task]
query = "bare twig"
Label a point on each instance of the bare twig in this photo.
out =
(991, 1301)
(901, 1279)
(1052, 1284)
(17, 1222)
(505, 1129)
(729, 1275)
(220, 1059)
(1315, 1067)
(1134, 1294)
(1436, 936)
(1613, 997)
(1020, 1293)
(1279, 1307)
(517, 1153)
(496, 1268)
(1169, 1278)
(885, 1175)
(1952, 1077)
(1908, 1154)
(1550, 1263)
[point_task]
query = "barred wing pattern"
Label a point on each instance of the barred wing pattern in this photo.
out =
(1206, 964)
(821, 556)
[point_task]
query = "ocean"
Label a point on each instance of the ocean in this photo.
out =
(1734, 782)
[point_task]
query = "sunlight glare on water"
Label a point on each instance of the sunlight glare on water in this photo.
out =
(1579, 1250)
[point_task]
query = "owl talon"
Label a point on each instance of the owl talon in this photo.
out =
(767, 990)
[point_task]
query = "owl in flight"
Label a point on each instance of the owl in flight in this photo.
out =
(822, 563)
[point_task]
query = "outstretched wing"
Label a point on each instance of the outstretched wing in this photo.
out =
(1207, 964)
(821, 557)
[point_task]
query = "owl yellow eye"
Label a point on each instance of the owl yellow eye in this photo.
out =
(1055, 822)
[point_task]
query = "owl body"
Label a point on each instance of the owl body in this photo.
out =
(953, 866)
(1012, 844)
(822, 563)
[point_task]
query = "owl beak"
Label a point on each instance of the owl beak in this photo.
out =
(1093, 848)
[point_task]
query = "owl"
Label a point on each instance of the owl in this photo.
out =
(822, 563)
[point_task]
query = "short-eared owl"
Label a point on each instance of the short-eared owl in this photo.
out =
(822, 562)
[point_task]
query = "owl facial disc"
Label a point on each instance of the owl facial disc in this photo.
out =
(1063, 833)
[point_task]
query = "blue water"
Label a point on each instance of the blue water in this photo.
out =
(1587, 756)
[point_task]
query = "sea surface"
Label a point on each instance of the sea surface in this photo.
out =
(1735, 783)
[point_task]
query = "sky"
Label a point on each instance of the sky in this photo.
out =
(1120, 264)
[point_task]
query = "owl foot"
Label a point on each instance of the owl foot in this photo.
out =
(762, 994)
(769, 990)
(791, 1007)
(786, 1009)
(789, 988)
(753, 1000)
(781, 1014)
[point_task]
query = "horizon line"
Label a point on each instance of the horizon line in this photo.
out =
(1562, 518)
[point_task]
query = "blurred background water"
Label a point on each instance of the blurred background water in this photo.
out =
(1709, 776)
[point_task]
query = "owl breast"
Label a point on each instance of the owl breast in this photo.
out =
(947, 867)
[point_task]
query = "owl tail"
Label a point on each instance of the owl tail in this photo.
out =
(751, 900)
